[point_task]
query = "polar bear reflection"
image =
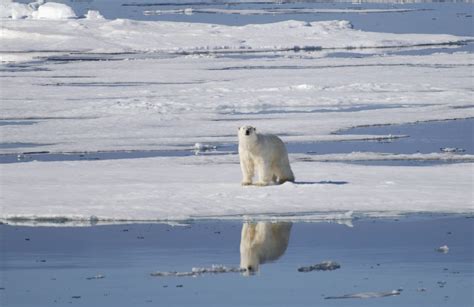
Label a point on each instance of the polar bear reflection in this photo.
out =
(262, 242)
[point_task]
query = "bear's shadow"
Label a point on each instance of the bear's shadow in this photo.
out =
(335, 182)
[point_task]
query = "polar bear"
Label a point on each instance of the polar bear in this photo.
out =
(265, 153)
(262, 242)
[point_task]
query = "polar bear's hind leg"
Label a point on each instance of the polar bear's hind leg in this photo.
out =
(283, 171)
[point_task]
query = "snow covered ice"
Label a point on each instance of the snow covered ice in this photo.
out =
(74, 84)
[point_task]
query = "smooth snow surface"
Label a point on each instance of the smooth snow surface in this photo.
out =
(204, 187)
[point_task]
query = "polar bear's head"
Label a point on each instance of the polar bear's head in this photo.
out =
(247, 133)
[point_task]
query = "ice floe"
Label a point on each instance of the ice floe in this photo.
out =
(323, 266)
(443, 249)
(274, 11)
(121, 35)
(215, 269)
(363, 295)
(54, 11)
(197, 187)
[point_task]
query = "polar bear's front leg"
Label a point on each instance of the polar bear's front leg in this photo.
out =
(246, 164)
(265, 173)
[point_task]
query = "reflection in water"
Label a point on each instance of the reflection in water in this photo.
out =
(262, 242)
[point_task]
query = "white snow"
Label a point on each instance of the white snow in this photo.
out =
(209, 186)
(164, 103)
(132, 36)
(35, 10)
(94, 15)
(54, 11)
(14, 10)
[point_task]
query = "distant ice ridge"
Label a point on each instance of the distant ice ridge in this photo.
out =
(120, 35)
(278, 11)
(36, 10)
(41, 10)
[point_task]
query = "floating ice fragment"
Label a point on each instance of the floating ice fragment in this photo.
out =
(98, 276)
(443, 249)
(323, 266)
(215, 269)
(198, 147)
(94, 15)
(452, 149)
(367, 294)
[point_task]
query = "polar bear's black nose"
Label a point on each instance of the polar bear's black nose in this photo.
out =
(247, 132)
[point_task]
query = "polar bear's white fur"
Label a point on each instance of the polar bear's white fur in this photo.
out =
(265, 153)
(262, 242)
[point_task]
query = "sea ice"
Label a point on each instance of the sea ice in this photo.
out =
(54, 11)
(37, 10)
(94, 15)
(323, 266)
(215, 269)
(443, 249)
(367, 294)
(196, 187)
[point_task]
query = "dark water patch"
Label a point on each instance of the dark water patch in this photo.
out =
(47, 156)
(17, 123)
(295, 67)
(463, 107)
(424, 137)
(468, 47)
(376, 255)
(22, 68)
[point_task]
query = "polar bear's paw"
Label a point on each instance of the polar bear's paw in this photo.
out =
(244, 183)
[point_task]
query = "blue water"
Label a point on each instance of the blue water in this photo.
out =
(424, 137)
(44, 266)
(449, 17)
